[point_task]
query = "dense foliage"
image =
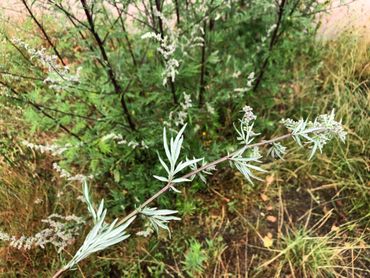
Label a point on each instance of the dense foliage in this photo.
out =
(112, 79)
(96, 86)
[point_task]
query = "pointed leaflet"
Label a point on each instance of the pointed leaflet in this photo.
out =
(183, 165)
(164, 165)
(165, 145)
(173, 153)
(177, 144)
(87, 198)
(161, 178)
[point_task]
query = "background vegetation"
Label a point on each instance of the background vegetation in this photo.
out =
(203, 62)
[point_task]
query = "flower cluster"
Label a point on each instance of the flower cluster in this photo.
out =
(249, 84)
(58, 74)
(171, 70)
(120, 141)
(248, 114)
(53, 149)
(317, 133)
(194, 40)
(65, 174)
(61, 232)
(268, 33)
(168, 45)
(180, 117)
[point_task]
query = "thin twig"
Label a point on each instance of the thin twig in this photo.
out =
(42, 29)
(274, 39)
(203, 68)
(38, 108)
(117, 87)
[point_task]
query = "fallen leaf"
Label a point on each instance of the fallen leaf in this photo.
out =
(334, 228)
(269, 180)
(264, 197)
(325, 210)
(347, 245)
(362, 245)
(268, 241)
(271, 218)
(269, 208)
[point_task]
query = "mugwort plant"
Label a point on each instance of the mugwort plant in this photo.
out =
(313, 135)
